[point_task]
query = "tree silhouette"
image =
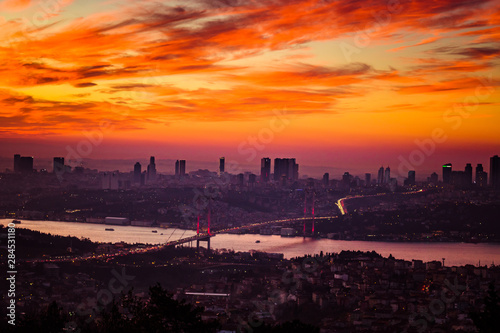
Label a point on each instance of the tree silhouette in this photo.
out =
(487, 320)
(128, 314)
(50, 320)
(161, 313)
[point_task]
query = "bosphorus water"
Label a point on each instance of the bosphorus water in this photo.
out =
(454, 253)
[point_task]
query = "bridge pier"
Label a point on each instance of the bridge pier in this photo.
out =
(202, 240)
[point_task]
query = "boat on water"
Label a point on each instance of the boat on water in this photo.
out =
(16, 221)
(154, 231)
(257, 241)
(109, 229)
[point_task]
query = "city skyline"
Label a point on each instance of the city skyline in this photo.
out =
(377, 81)
(288, 169)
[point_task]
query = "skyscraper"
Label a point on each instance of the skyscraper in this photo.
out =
(265, 169)
(380, 178)
(495, 172)
(137, 173)
(17, 161)
(222, 165)
(368, 179)
(182, 168)
(286, 167)
(278, 169)
(481, 176)
(411, 177)
(468, 174)
(58, 165)
(177, 167)
(479, 168)
(387, 175)
(326, 179)
(26, 164)
(152, 170)
(447, 171)
(434, 178)
(346, 179)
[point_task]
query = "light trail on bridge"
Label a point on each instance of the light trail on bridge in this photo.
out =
(343, 210)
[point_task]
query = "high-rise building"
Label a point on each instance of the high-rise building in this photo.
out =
(58, 165)
(387, 175)
(182, 168)
(346, 178)
(411, 177)
(481, 176)
(482, 179)
(479, 168)
(279, 169)
(137, 173)
(468, 174)
(222, 165)
(151, 170)
(447, 171)
(380, 178)
(26, 164)
(434, 178)
(286, 167)
(111, 181)
(495, 172)
(17, 161)
(265, 169)
(368, 179)
(326, 179)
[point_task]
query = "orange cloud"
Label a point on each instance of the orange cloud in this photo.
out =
(206, 52)
(423, 42)
(15, 5)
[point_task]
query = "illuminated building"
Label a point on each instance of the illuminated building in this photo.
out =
(447, 170)
(265, 169)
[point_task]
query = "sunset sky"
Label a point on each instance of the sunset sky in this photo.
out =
(342, 84)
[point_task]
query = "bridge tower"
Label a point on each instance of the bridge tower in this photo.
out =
(205, 239)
